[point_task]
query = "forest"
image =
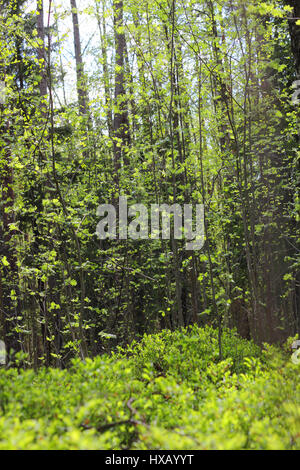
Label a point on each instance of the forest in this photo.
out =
(150, 225)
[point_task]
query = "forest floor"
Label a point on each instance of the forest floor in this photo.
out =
(169, 391)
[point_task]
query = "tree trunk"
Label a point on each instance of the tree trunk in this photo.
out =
(295, 34)
(104, 62)
(41, 50)
(81, 81)
(121, 120)
(10, 283)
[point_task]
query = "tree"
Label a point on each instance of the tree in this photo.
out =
(81, 80)
(121, 120)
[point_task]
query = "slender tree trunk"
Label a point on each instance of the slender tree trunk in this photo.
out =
(106, 80)
(81, 81)
(10, 284)
(41, 49)
(121, 120)
(9, 288)
(295, 33)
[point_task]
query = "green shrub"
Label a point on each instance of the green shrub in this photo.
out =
(169, 391)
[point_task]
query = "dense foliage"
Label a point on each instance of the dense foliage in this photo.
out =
(164, 102)
(145, 342)
(170, 391)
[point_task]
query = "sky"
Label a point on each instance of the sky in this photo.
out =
(90, 39)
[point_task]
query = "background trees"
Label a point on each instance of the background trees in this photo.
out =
(175, 102)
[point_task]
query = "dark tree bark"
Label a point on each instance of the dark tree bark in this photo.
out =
(295, 46)
(81, 81)
(9, 306)
(121, 120)
(106, 80)
(41, 49)
(295, 34)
